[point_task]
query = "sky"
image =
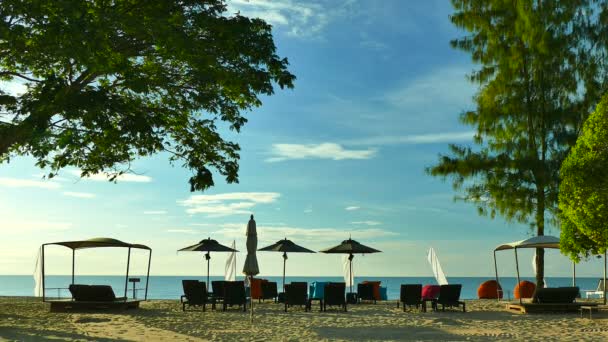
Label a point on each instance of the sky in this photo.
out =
(377, 98)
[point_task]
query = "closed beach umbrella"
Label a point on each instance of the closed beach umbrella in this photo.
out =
(251, 262)
(350, 247)
(208, 245)
(285, 246)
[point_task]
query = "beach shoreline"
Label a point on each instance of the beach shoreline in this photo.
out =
(27, 318)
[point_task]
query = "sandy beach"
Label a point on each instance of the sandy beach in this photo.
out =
(27, 319)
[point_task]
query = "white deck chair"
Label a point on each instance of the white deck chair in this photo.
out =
(597, 292)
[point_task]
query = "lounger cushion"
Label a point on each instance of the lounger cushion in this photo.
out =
(317, 289)
(430, 291)
(383, 293)
(375, 288)
(556, 295)
(92, 293)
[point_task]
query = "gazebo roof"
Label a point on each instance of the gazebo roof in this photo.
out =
(97, 243)
(543, 241)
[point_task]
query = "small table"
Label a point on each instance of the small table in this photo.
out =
(320, 303)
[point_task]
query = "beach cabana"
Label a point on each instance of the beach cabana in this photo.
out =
(95, 243)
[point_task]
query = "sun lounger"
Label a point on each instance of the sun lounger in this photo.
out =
(92, 297)
(365, 292)
(234, 294)
(449, 296)
(556, 299)
(334, 295)
(410, 295)
(217, 288)
(269, 290)
(599, 291)
(195, 294)
(295, 294)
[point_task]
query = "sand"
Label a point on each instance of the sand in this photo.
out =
(27, 319)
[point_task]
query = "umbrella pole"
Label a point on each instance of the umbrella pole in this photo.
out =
(284, 262)
(251, 298)
(208, 257)
(350, 259)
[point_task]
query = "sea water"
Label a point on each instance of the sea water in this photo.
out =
(170, 287)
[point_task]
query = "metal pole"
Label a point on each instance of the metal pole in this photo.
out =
(497, 283)
(350, 258)
(517, 268)
(284, 262)
(208, 257)
(43, 294)
(148, 274)
(127, 276)
(73, 264)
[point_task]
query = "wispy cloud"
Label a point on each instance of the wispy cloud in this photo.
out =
(127, 177)
(299, 18)
(27, 183)
(430, 138)
(34, 226)
(227, 204)
(368, 223)
(308, 211)
(351, 208)
(331, 151)
(183, 231)
(79, 194)
(155, 212)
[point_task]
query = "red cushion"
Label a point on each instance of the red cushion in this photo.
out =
(375, 288)
(524, 289)
(489, 290)
(256, 287)
(430, 291)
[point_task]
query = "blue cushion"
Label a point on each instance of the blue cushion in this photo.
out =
(317, 289)
(383, 293)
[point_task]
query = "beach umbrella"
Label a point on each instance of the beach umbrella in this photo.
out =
(251, 262)
(208, 245)
(350, 247)
(285, 246)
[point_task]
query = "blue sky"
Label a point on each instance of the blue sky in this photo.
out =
(377, 98)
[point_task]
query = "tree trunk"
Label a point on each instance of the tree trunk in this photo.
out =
(540, 230)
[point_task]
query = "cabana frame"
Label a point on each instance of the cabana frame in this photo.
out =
(98, 243)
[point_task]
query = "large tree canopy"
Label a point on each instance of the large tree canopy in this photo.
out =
(541, 70)
(109, 81)
(583, 197)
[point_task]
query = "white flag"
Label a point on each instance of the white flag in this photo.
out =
(38, 275)
(437, 271)
(230, 273)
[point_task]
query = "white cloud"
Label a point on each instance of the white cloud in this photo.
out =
(34, 226)
(331, 151)
(79, 194)
(27, 183)
(307, 211)
(300, 18)
(234, 203)
(431, 138)
(368, 223)
(155, 212)
(14, 88)
(104, 176)
(182, 231)
(351, 208)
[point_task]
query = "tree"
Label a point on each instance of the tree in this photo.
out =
(535, 87)
(583, 197)
(109, 81)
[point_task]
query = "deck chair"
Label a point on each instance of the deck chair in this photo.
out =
(295, 294)
(94, 293)
(334, 295)
(269, 290)
(599, 291)
(410, 295)
(365, 292)
(195, 294)
(217, 288)
(234, 294)
(449, 295)
(555, 295)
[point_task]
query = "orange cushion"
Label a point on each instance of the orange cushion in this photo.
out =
(256, 287)
(375, 288)
(524, 289)
(489, 290)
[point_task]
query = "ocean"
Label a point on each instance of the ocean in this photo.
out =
(169, 287)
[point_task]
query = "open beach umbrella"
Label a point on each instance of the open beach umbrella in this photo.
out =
(285, 246)
(251, 262)
(208, 245)
(350, 247)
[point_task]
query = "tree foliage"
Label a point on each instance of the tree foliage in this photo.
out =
(540, 72)
(583, 197)
(109, 81)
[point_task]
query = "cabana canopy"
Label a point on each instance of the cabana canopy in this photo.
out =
(97, 243)
(543, 241)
